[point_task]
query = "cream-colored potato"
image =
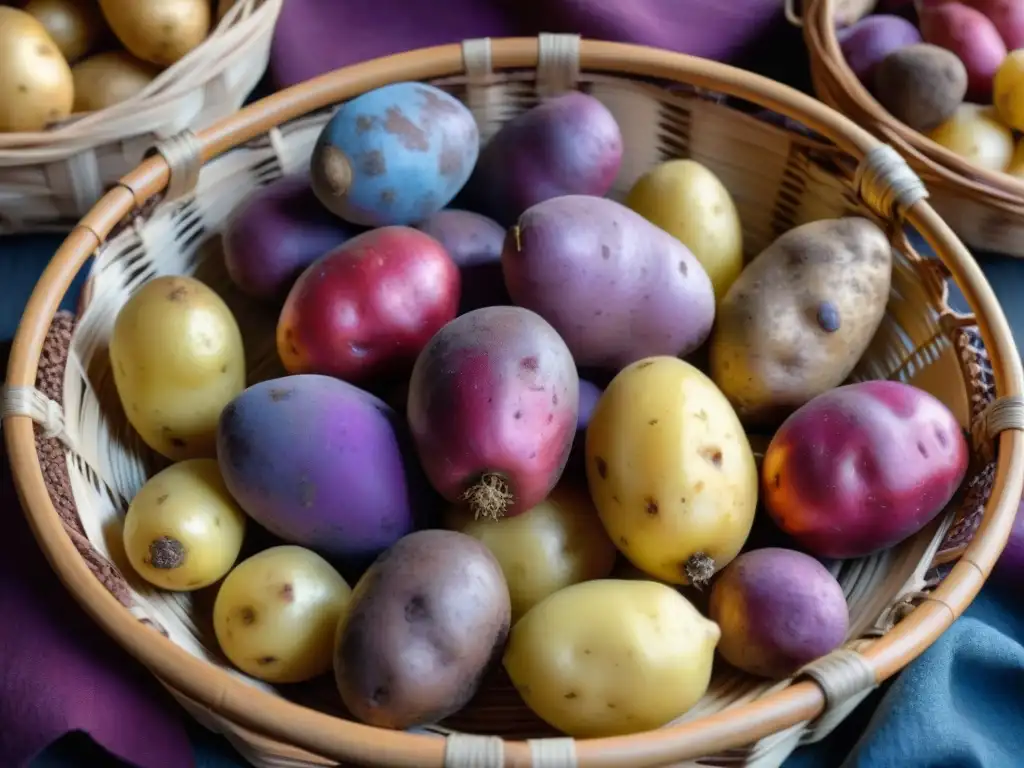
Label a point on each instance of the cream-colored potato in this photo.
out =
(671, 471)
(109, 78)
(176, 352)
(1008, 90)
(183, 531)
(689, 202)
(277, 613)
(555, 544)
(159, 31)
(611, 657)
(977, 135)
(36, 88)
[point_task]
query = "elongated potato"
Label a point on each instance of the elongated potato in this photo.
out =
(800, 316)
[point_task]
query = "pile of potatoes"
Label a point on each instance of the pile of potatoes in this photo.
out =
(493, 424)
(950, 69)
(60, 58)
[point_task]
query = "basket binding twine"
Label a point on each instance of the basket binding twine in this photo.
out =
(272, 731)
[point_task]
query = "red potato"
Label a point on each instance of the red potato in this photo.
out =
(1007, 16)
(972, 37)
(862, 467)
(368, 307)
(493, 406)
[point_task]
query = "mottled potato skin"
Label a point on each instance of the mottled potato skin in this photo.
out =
(424, 624)
(800, 316)
(921, 85)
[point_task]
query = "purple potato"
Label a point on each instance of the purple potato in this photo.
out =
(474, 242)
(866, 43)
(275, 234)
(322, 464)
(778, 610)
(568, 145)
(615, 287)
(1009, 568)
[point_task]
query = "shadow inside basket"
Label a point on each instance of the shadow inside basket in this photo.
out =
(779, 176)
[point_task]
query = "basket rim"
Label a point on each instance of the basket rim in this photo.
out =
(325, 735)
(823, 45)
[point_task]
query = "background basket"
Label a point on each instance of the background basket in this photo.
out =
(50, 179)
(89, 462)
(985, 208)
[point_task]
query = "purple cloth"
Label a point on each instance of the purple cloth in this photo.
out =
(316, 36)
(59, 673)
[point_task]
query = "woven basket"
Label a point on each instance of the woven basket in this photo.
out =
(985, 208)
(50, 179)
(165, 218)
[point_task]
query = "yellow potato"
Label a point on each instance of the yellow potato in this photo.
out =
(183, 531)
(158, 31)
(76, 26)
(557, 543)
(109, 78)
(176, 352)
(1008, 90)
(976, 134)
(611, 657)
(671, 471)
(690, 203)
(36, 88)
(277, 612)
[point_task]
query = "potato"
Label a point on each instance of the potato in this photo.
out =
(493, 405)
(183, 531)
(671, 471)
(921, 85)
(424, 625)
(862, 467)
(567, 145)
(323, 464)
(614, 286)
(976, 134)
(971, 36)
(611, 657)
(778, 610)
(177, 356)
(1016, 166)
(76, 26)
(1008, 90)
(109, 78)
(1007, 16)
(394, 155)
(557, 543)
(800, 316)
(158, 31)
(277, 613)
(689, 202)
(36, 88)
(866, 43)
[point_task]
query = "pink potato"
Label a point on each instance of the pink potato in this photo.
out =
(1007, 16)
(862, 467)
(493, 405)
(866, 43)
(969, 34)
(778, 610)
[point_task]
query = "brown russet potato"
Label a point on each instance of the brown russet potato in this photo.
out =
(800, 316)
(424, 624)
(921, 85)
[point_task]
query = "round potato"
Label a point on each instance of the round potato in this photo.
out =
(36, 88)
(800, 316)
(422, 628)
(183, 531)
(611, 657)
(109, 78)
(689, 202)
(177, 356)
(555, 544)
(921, 85)
(976, 134)
(671, 471)
(158, 31)
(76, 26)
(277, 613)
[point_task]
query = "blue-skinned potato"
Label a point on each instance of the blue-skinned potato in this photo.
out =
(394, 155)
